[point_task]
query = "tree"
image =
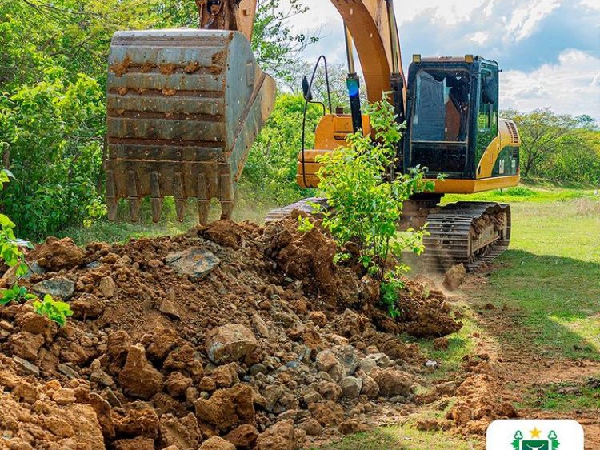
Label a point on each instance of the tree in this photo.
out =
(275, 45)
(541, 133)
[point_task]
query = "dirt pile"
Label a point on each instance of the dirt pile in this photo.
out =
(231, 336)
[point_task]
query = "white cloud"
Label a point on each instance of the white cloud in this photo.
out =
(547, 47)
(526, 17)
(572, 86)
(592, 4)
(480, 37)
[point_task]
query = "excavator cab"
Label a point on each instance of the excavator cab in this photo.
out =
(453, 128)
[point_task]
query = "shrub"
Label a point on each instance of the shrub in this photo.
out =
(366, 202)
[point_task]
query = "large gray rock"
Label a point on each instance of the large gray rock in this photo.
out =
(194, 262)
(351, 387)
(230, 343)
(60, 287)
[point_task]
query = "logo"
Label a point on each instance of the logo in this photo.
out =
(534, 435)
(520, 443)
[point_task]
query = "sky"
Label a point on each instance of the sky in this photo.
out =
(549, 50)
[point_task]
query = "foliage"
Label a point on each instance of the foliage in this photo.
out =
(273, 161)
(561, 148)
(367, 202)
(305, 224)
(16, 294)
(275, 45)
(54, 310)
(10, 252)
(51, 133)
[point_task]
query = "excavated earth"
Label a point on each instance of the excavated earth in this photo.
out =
(231, 336)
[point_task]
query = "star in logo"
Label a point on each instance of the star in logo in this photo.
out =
(535, 433)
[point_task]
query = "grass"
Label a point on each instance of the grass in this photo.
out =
(404, 437)
(564, 397)
(552, 274)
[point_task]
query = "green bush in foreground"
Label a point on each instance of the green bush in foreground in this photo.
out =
(367, 202)
(14, 258)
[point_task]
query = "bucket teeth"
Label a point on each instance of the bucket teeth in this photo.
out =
(183, 109)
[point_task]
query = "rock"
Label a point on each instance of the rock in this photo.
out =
(370, 388)
(352, 427)
(25, 345)
(367, 364)
(169, 307)
(194, 262)
(454, 277)
(318, 318)
(228, 408)
(278, 437)
(225, 376)
(59, 287)
(217, 443)
(230, 343)
(100, 376)
(88, 306)
(140, 419)
(431, 364)
(35, 324)
(351, 387)
(329, 390)
(273, 393)
(159, 344)
(68, 371)
(243, 437)
(392, 382)
(328, 413)
(139, 378)
(326, 360)
(260, 326)
(64, 396)
(381, 359)
(25, 392)
(107, 287)
(183, 433)
(185, 358)
(312, 427)
(177, 384)
(441, 344)
(139, 443)
(57, 254)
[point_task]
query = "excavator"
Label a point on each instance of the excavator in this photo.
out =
(185, 106)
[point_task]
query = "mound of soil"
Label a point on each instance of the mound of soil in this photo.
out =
(231, 336)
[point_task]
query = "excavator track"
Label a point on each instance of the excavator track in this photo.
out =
(468, 233)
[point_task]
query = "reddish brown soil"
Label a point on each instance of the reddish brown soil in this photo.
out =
(275, 347)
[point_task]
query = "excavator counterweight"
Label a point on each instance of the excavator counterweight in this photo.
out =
(184, 108)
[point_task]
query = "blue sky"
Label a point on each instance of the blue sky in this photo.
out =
(549, 50)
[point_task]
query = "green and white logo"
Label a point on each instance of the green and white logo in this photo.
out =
(536, 442)
(534, 435)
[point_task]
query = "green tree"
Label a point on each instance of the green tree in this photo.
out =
(558, 147)
(273, 161)
(275, 45)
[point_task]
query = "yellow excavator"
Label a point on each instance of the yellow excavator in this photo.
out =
(185, 106)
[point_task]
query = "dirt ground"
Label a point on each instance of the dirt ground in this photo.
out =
(519, 369)
(231, 336)
(236, 336)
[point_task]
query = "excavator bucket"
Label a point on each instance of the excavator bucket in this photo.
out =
(184, 107)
